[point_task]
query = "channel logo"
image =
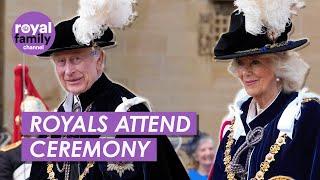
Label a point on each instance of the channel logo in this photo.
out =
(33, 33)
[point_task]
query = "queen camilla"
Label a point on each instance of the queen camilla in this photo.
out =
(274, 133)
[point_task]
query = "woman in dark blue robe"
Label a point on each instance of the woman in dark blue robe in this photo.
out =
(275, 133)
(298, 158)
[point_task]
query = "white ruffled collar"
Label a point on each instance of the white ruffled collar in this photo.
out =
(286, 122)
(252, 111)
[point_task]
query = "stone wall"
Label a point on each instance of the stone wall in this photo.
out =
(157, 58)
(1, 61)
(41, 70)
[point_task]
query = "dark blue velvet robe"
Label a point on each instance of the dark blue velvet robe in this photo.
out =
(106, 96)
(299, 158)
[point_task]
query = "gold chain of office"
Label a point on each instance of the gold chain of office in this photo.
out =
(82, 175)
(264, 166)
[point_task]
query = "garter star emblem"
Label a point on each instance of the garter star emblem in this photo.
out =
(120, 167)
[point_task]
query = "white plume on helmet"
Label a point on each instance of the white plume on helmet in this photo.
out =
(272, 14)
(97, 15)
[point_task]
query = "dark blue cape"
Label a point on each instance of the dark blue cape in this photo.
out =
(299, 158)
(105, 96)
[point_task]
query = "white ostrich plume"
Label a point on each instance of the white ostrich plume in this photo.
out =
(97, 15)
(274, 15)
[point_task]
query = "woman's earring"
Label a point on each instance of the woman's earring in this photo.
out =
(278, 79)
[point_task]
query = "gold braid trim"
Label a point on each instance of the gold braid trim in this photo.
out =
(267, 46)
(264, 166)
(86, 170)
(50, 172)
(227, 156)
(82, 175)
(305, 100)
(274, 149)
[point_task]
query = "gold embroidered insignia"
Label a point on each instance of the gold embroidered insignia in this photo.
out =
(281, 178)
(120, 167)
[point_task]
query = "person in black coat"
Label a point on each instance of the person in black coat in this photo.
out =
(11, 166)
(79, 68)
(10, 160)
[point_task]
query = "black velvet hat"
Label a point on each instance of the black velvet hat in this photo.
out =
(65, 39)
(239, 43)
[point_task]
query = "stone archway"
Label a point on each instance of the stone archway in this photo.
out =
(2, 5)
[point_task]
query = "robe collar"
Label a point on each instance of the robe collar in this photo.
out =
(252, 110)
(286, 107)
(89, 96)
(274, 110)
(239, 110)
(99, 87)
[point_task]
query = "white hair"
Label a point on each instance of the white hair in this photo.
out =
(100, 51)
(289, 67)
